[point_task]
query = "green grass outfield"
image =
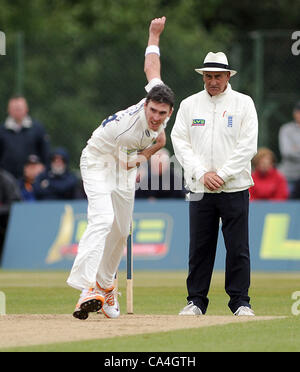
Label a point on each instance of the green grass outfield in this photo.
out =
(165, 293)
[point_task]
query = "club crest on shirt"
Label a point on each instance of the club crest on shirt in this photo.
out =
(198, 123)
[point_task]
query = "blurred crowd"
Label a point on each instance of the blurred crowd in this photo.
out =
(279, 181)
(30, 170)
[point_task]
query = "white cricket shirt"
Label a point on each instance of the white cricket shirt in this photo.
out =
(125, 131)
(218, 134)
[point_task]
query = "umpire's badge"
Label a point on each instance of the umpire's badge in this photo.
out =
(147, 133)
(230, 121)
(198, 123)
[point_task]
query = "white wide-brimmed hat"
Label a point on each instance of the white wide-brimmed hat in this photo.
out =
(215, 62)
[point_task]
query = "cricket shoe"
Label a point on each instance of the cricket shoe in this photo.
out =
(110, 308)
(191, 309)
(244, 311)
(90, 300)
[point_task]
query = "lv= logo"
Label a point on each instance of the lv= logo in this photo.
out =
(64, 236)
(275, 242)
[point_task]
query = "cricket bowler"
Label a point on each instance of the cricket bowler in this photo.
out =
(108, 167)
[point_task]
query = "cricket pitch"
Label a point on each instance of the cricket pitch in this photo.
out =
(37, 329)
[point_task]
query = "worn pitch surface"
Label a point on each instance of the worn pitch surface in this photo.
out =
(37, 329)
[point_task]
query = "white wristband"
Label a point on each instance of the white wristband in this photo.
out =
(152, 49)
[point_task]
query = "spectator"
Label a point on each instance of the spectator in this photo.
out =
(269, 183)
(56, 182)
(289, 145)
(158, 179)
(21, 136)
(9, 192)
(32, 168)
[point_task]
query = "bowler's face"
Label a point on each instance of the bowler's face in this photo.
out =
(156, 113)
(215, 82)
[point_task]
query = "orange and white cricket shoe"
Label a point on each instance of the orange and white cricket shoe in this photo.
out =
(110, 308)
(90, 300)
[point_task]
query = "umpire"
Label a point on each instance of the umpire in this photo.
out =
(214, 138)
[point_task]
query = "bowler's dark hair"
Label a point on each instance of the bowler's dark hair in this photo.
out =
(161, 94)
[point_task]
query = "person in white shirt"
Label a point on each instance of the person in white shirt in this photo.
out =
(108, 167)
(214, 138)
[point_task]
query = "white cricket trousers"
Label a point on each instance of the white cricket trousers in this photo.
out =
(110, 208)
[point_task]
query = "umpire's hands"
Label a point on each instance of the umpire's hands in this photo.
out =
(212, 181)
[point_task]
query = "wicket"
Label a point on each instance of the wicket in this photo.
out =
(129, 279)
(129, 274)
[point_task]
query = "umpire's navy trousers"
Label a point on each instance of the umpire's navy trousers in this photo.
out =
(232, 209)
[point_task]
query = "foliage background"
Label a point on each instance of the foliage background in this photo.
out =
(79, 61)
